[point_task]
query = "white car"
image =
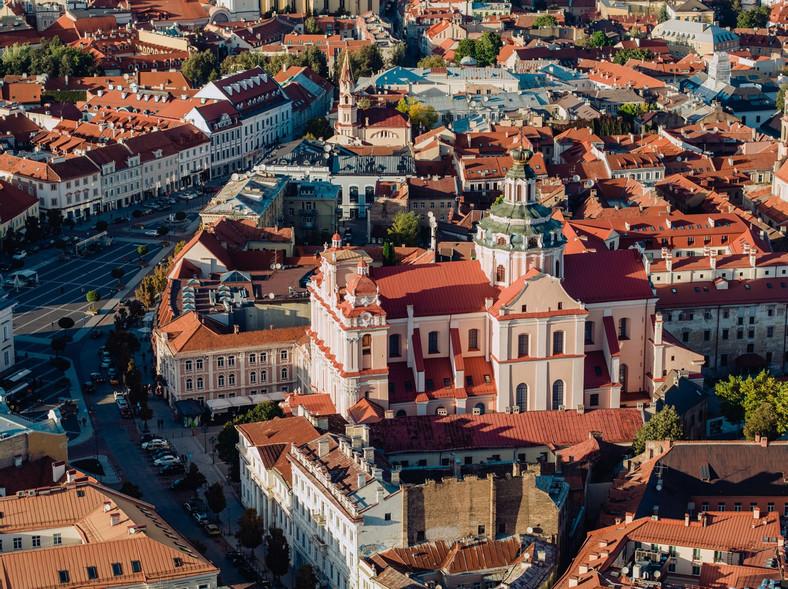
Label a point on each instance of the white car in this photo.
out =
(154, 444)
(165, 460)
(152, 233)
(21, 255)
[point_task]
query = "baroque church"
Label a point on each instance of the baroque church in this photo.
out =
(523, 327)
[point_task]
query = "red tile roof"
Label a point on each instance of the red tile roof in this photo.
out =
(13, 201)
(499, 430)
(366, 411)
(588, 277)
(723, 576)
(443, 288)
(707, 294)
(317, 405)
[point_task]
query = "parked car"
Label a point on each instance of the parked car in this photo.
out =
(165, 460)
(97, 378)
(88, 387)
(154, 444)
(162, 453)
(200, 517)
(20, 255)
(119, 395)
(212, 529)
(176, 468)
(106, 365)
(235, 556)
(177, 484)
(113, 376)
(194, 504)
(125, 412)
(148, 437)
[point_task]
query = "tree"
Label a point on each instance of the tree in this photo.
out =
(319, 128)
(51, 57)
(277, 557)
(364, 103)
(93, 296)
(545, 21)
(432, 61)
(146, 292)
(487, 48)
(180, 215)
(198, 67)
(366, 61)
(388, 254)
(122, 345)
(228, 437)
(663, 13)
(624, 55)
(404, 229)
(193, 479)
(250, 529)
(740, 397)
(422, 116)
(214, 496)
(465, 48)
(727, 12)
(32, 229)
(780, 101)
(311, 28)
(101, 226)
(142, 250)
(130, 489)
(756, 18)
(117, 273)
(306, 578)
(54, 216)
(762, 422)
(629, 110)
(58, 344)
(163, 230)
(664, 425)
(397, 56)
(132, 379)
(599, 39)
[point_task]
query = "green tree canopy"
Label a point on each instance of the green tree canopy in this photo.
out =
(277, 558)
(199, 67)
(311, 57)
(599, 39)
(624, 55)
(250, 529)
(755, 18)
(405, 229)
(51, 57)
(93, 296)
(214, 496)
(545, 21)
(366, 61)
(130, 489)
(762, 422)
(741, 396)
(629, 110)
(664, 425)
(422, 116)
(397, 56)
(318, 128)
(311, 28)
(780, 101)
(118, 273)
(306, 578)
(432, 61)
(465, 48)
(194, 479)
(487, 48)
(663, 13)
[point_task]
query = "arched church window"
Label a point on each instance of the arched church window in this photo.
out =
(500, 273)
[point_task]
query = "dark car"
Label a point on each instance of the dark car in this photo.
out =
(177, 484)
(148, 437)
(172, 469)
(88, 387)
(235, 557)
(247, 572)
(97, 378)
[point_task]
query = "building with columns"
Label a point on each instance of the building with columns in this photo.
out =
(525, 326)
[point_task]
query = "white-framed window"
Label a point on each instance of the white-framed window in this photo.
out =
(188, 365)
(220, 362)
(200, 383)
(189, 384)
(252, 377)
(231, 380)
(284, 373)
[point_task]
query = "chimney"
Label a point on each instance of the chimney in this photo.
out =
(658, 329)
(704, 519)
(686, 520)
(395, 475)
(58, 470)
(756, 512)
(764, 441)
(114, 518)
(380, 494)
(18, 460)
(358, 441)
(629, 517)
(369, 454)
(517, 469)
(71, 475)
(361, 479)
(236, 329)
(752, 257)
(322, 448)
(107, 506)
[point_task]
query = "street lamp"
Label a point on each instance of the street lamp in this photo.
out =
(213, 441)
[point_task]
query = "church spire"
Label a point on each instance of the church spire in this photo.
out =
(346, 76)
(347, 110)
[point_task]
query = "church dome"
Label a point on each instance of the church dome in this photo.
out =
(361, 285)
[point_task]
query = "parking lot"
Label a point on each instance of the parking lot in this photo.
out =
(62, 286)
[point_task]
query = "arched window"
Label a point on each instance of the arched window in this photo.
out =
(521, 396)
(284, 373)
(231, 380)
(523, 344)
(557, 269)
(263, 375)
(623, 328)
(501, 241)
(473, 339)
(558, 342)
(394, 345)
(432, 342)
(623, 370)
(220, 380)
(189, 384)
(401, 413)
(200, 383)
(500, 274)
(366, 344)
(558, 394)
(479, 408)
(252, 377)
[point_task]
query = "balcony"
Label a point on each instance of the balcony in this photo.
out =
(319, 518)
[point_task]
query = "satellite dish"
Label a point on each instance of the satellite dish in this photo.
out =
(657, 574)
(271, 295)
(530, 530)
(624, 570)
(273, 266)
(589, 183)
(575, 178)
(279, 266)
(678, 159)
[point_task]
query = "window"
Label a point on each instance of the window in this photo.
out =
(522, 344)
(117, 569)
(231, 380)
(473, 339)
(394, 345)
(432, 342)
(36, 541)
(589, 332)
(200, 383)
(719, 556)
(500, 274)
(57, 539)
(189, 365)
(593, 400)
(63, 576)
(283, 355)
(696, 554)
(770, 507)
(92, 573)
(135, 566)
(230, 360)
(284, 374)
(558, 343)
(263, 375)
(198, 364)
(18, 543)
(252, 377)
(623, 331)
(725, 334)
(737, 507)
(704, 507)
(558, 394)
(387, 517)
(706, 335)
(189, 384)
(252, 358)
(366, 344)
(263, 357)
(481, 530)
(220, 362)
(220, 380)
(720, 507)
(695, 570)
(770, 331)
(521, 396)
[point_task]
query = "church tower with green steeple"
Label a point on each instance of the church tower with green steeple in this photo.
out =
(519, 234)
